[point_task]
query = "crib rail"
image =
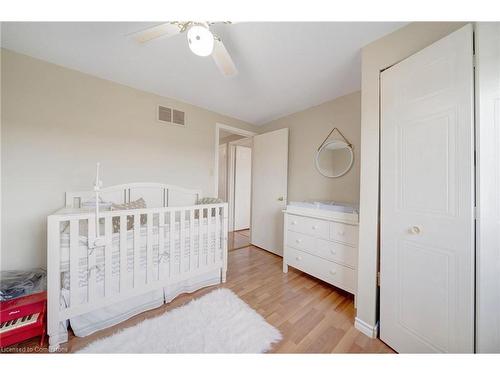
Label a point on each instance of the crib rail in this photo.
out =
(128, 254)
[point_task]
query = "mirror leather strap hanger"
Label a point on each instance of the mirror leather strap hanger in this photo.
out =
(329, 134)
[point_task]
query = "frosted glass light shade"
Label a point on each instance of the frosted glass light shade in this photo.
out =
(201, 40)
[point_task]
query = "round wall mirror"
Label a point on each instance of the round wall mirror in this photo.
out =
(334, 158)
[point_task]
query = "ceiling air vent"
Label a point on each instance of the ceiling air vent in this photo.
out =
(178, 117)
(164, 114)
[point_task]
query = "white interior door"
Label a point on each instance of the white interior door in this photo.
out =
(269, 189)
(242, 187)
(427, 199)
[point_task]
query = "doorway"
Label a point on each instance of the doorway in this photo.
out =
(235, 182)
(268, 179)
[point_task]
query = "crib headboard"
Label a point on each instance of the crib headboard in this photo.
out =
(155, 195)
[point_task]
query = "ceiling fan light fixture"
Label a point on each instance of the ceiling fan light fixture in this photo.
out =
(200, 40)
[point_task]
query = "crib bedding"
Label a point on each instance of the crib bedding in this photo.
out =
(88, 323)
(158, 258)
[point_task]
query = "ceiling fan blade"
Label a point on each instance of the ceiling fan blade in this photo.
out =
(165, 29)
(223, 60)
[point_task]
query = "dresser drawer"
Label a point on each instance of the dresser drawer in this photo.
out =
(337, 252)
(331, 272)
(309, 226)
(300, 241)
(296, 223)
(344, 233)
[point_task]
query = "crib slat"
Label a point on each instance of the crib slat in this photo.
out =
(123, 252)
(108, 252)
(74, 247)
(191, 240)
(182, 241)
(137, 248)
(161, 245)
(172, 244)
(149, 249)
(92, 270)
(217, 255)
(200, 237)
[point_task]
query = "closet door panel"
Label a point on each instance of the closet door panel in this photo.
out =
(427, 199)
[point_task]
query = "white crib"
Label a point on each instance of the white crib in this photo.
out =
(172, 242)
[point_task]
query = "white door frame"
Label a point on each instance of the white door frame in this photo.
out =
(487, 186)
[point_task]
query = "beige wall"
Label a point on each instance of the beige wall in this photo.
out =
(377, 56)
(308, 129)
(57, 123)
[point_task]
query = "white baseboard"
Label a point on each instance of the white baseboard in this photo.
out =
(368, 330)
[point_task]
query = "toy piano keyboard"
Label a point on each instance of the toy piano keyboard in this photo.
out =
(23, 318)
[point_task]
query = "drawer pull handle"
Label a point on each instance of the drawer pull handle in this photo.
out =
(298, 241)
(294, 222)
(333, 272)
(314, 227)
(333, 252)
(298, 258)
(341, 233)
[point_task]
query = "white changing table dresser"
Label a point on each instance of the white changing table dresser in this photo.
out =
(322, 240)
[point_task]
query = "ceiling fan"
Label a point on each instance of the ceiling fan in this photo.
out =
(201, 41)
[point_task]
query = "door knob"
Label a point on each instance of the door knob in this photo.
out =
(415, 229)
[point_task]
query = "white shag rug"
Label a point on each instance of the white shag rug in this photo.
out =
(218, 322)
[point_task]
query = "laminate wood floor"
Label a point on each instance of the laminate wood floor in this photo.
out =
(238, 239)
(313, 317)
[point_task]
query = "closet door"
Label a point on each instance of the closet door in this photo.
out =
(427, 199)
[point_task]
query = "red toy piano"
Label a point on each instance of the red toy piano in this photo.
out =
(23, 318)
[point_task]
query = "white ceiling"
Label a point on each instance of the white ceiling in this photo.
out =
(283, 67)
